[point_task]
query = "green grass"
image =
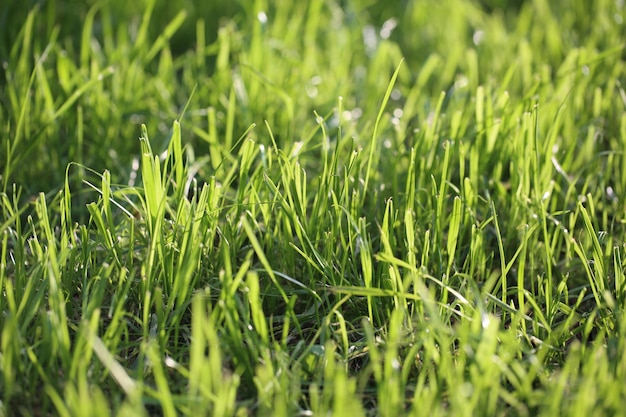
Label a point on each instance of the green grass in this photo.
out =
(302, 208)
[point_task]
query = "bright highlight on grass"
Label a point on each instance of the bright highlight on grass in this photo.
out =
(313, 208)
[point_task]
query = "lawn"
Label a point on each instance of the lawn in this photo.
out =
(311, 208)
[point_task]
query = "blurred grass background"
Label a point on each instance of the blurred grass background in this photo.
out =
(448, 46)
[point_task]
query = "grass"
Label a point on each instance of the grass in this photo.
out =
(304, 208)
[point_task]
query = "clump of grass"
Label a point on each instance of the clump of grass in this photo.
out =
(323, 213)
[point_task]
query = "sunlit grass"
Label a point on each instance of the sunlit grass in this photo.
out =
(303, 208)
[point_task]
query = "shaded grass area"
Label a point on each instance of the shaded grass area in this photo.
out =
(347, 207)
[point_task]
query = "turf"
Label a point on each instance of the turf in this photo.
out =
(310, 208)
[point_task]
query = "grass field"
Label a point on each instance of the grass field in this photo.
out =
(284, 208)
